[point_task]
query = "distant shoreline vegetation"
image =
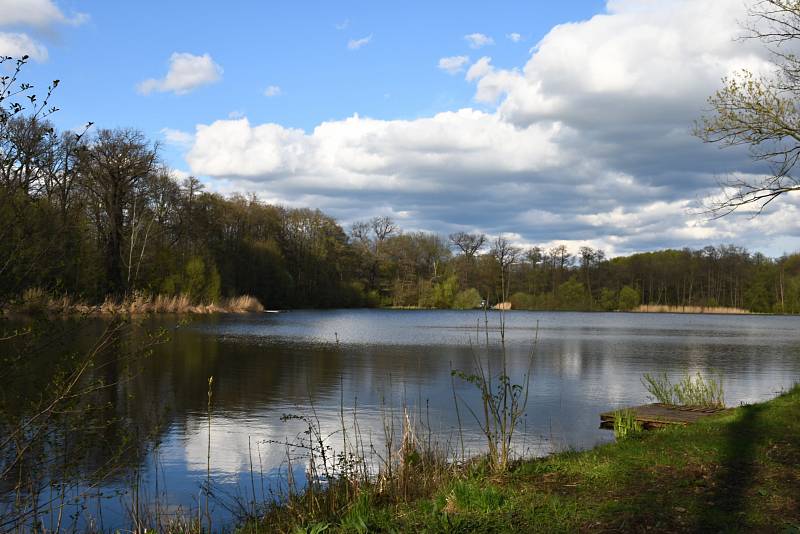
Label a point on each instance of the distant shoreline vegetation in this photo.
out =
(414, 271)
(38, 302)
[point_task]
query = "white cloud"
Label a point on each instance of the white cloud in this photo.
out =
(588, 142)
(453, 64)
(178, 175)
(514, 37)
(273, 90)
(20, 44)
(186, 72)
(177, 137)
(343, 25)
(366, 153)
(38, 13)
(478, 40)
(479, 69)
(355, 44)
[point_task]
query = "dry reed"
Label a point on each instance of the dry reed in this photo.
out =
(662, 308)
(37, 300)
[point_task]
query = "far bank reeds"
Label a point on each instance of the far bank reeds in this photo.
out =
(38, 301)
(662, 308)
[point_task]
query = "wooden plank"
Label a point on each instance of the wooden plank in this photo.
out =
(658, 415)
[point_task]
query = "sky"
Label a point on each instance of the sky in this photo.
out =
(547, 122)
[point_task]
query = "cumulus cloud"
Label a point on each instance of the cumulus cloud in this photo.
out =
(587, 142)
(24, 14)
(453, 64)
(186, 73)
(38, 13)
(177, 137)
(20, 44)
(514, 37)
(372, 153)
(479, 69)
(273, 90)
(355, 44)
(478, 40)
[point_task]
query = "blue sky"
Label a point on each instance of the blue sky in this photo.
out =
(301, 47)
(550, 122)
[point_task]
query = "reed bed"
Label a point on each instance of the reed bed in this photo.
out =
(662, 308)
(37, 300)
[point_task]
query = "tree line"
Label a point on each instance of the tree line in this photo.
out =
(97, 214)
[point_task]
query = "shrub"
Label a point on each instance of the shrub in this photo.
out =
(467, 299)
(572, 295)
(445, 291)
(691, 391)
(522, 301)
(608, 299)
(629, 298)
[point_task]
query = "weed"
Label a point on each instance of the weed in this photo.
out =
(625, 424)
(690, 391)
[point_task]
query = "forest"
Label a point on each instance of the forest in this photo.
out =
(96, 214)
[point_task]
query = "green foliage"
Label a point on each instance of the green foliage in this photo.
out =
(474, 496)
(467, 300)
(503, 402)
(629, 298)
(625, 424)
(199, 280)
(608, 299)
(690, 391)
(572, 295)
(522, 301)
(444, 293)
(757, 298)
(660, 387)
(697, 391)
(314, 528)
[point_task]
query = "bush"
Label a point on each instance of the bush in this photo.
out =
(444, 292)
(691, 391)
(467, 299)
(199, 280)
(572, 295)
(629, 298)
(522, 301)
(608, 299)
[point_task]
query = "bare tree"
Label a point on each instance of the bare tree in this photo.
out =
(504, 252)
(383, 227)
(761, 113)
(115, 163)
(506, 255)
(359, 232)
(468, 244)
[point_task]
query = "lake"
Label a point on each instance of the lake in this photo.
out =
(376, 362)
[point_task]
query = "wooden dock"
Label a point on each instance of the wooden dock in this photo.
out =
(660, 415)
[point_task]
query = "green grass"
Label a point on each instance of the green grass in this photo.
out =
(738, 472)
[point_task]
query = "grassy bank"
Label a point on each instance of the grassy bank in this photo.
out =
(735, 472)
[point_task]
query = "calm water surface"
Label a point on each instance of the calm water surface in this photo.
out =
(267, 365)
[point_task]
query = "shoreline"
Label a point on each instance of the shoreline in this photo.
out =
(736, 471)
(39, 303)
